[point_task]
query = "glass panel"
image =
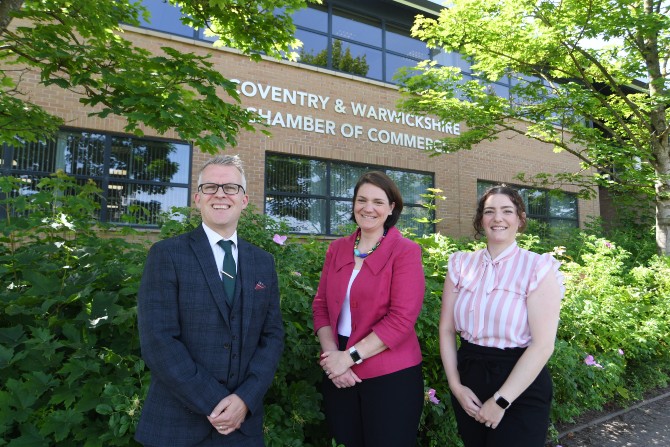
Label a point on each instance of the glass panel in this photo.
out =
(411, 185)
(452, 60)
(84, 153)
(340, 217)
(154, 161)
(356, 59)
(536, 201)
(97, 198)
(540, 205)
(523, 79)
(312, 17)
(27, 187)
(295, 175)
(37, 156)
(407, 220)
(165, 17)
(142, 204)
(482, 187)
(563, 205)
(330, 214)
(393, 63)
(303, 215)
(314, 50)
(28, 184)
(399, 41)
(357, 28)
(500, 90)
(343, 178)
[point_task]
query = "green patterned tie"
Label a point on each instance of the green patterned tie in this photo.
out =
(228, 272)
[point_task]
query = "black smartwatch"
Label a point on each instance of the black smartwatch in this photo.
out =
(501, 401)
(355, 356)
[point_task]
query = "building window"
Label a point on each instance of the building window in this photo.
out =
(140, 178)
(167, 18)
(314, 196)
(338, 39)
(333, 37)
(555, 209)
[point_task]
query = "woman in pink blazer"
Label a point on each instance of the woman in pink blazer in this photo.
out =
(369, 297)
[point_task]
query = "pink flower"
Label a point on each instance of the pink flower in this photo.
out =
(590, 361)
(620, 351)
(279, 239)
(432, 398)
(608, 244)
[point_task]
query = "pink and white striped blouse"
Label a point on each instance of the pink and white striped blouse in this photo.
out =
(491, 309)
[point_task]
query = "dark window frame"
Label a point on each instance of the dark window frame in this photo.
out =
(7, 152)
(330, 199)
(543, 218)
(384, 25)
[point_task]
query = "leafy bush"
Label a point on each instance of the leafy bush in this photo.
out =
(69, 351)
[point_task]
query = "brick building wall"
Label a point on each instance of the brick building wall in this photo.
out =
(333, 95)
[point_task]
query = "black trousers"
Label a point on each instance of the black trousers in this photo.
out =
(379, 412)
(525, 423)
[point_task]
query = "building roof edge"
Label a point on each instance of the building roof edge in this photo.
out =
(422, 5)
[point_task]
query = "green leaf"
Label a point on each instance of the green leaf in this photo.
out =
(6, 355)
(60, 423)
(25, 395)
(11, 336)
(103, 409)
(29, 440)
(42, 285)
(623, 392)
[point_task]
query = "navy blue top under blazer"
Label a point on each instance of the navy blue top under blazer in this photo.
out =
(187, 338)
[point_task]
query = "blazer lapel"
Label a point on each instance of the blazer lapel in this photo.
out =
(203, 253)
(246, 275)
(381, 256)
(345, 256)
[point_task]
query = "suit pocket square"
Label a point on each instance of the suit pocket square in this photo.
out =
(260, 286)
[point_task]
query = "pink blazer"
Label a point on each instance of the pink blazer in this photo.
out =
(386, 298)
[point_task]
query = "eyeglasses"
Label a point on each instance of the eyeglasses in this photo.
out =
(228, 188)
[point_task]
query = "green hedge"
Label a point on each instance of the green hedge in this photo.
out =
(69, 352)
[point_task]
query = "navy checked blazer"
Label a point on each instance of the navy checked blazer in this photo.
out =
(186, 340)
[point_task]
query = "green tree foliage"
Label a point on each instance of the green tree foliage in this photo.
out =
(80, 46)
(342, 60)
(589, 79)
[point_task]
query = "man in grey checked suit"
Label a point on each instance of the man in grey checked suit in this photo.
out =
(212, 356)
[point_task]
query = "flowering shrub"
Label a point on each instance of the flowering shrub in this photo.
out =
(69, 352)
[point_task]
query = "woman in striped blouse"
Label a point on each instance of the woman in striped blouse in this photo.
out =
(504, 304)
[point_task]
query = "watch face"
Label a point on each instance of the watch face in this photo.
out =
(502, 402)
